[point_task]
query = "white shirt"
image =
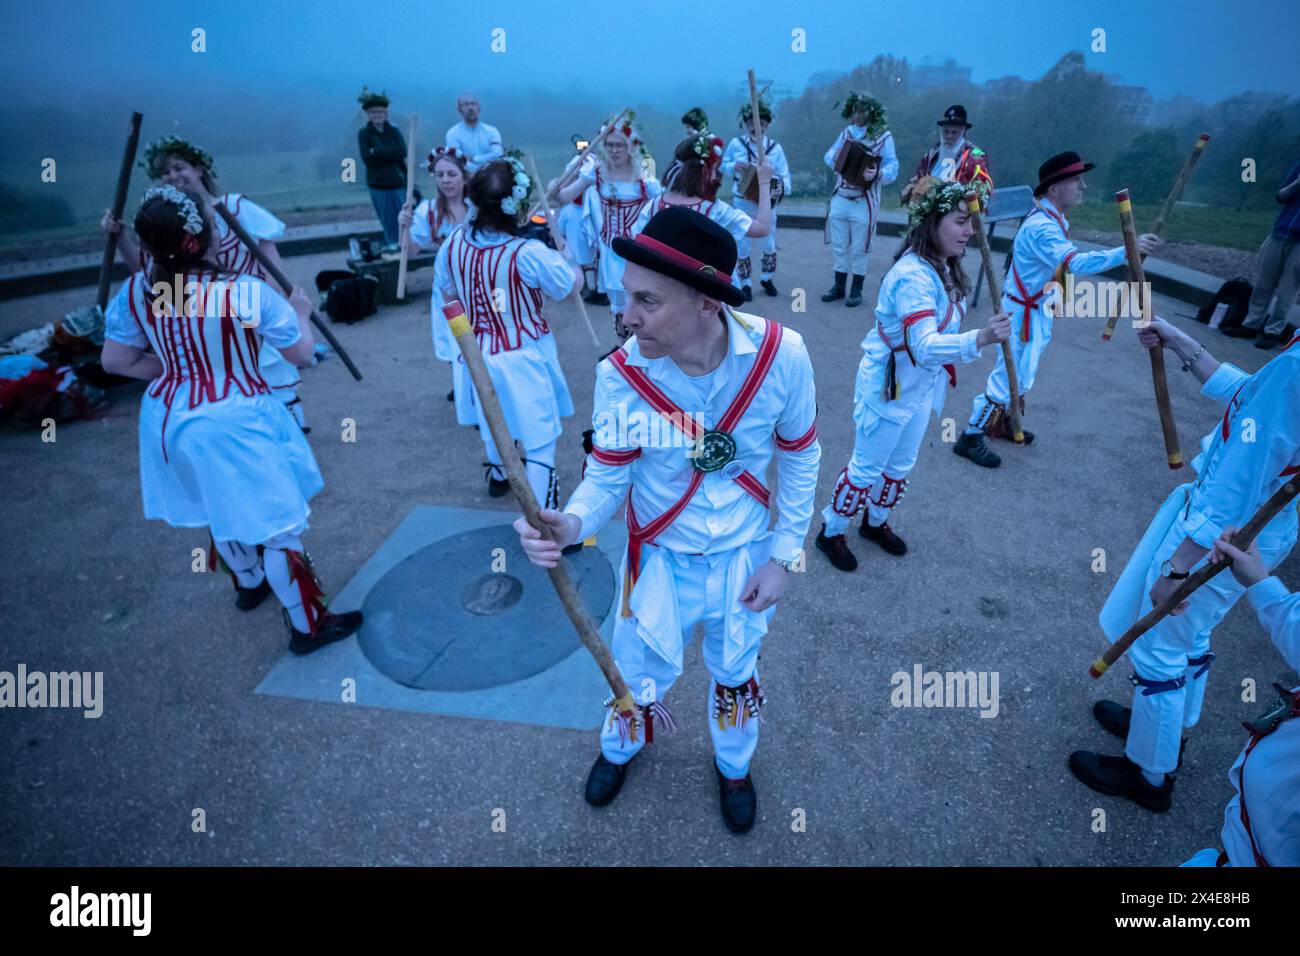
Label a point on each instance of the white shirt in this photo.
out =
(1236, 475)
(722, 516)
(1041, 248)
(481, 143)
(421, 230)
(741, 150)
(724, 214)
(883, 145)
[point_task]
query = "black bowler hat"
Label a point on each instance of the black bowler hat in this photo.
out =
(953, 115)
(1059, 167)
(687, 246)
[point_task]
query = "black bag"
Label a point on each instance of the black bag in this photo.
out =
(1236, 293)
(349, 297)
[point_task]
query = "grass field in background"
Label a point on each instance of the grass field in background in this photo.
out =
(286, 182)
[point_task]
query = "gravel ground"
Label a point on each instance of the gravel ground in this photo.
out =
(999, 580)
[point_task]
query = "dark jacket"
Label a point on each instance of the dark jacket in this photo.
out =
(384, 155)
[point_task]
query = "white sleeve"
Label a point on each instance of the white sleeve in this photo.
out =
(420, 233)
(119, 324)
(277, 322)
(735, 221)
(653, 187)
(1223, 383)
(1279, 613)
(543, 268)
(829, 158)
(918, 310)
(734, 153)
(604, 484)
(442, 279)
(888, 161)
(1057, 251)
(781, 167)
(495, 148)
(259, 223)
(451, 141)
(798, 456)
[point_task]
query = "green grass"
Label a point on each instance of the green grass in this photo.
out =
(1205, 224)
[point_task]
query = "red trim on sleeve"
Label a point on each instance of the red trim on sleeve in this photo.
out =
(607, 457)
(800, 443)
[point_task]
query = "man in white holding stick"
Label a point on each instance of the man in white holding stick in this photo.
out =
(701, 549)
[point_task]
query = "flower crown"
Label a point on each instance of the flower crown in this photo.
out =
(707, 147)
(933, 195)
(629, 128)
(160, 149)
(747, 112)
(183, 203)
(697, 118)
(445, 152)
(368, 99)
(522, 189)
(870, 105)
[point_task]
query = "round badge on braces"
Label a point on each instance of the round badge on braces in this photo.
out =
(714, 450)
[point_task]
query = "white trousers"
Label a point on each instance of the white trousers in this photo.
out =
(880, 448)
(1027, 356)
(848, 223)
(768, 245)
(1164, 655)
(702, 596)
(539, 466)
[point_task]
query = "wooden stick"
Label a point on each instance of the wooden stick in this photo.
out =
(119, 204)
(760, 155)
(275, 272)
(1158, 377)
(556, 238)
(461, 330)
(572, 174)
(1166, 208)
(1242, 539)
(410, 195)
(995, 295)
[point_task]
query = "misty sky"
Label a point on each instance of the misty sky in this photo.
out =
(1199, 48)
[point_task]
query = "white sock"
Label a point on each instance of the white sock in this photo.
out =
(277, 572)
(539, 465)
(243, 561)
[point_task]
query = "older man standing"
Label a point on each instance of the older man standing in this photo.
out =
(383, 150)
(479, 142)
(1279, 271)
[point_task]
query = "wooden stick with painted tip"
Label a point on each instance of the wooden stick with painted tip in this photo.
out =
(454, 312)
(1159, 379)
(1269, 510)
(410, 196)
(760, 153)
(556, 238)
(995, 296)
(282, 280)
(1166, 208)
(119, 205)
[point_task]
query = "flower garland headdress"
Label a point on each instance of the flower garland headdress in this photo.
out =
(520, 192)
(185, 206)
(157, 151)
(872, 107)
(934, 195)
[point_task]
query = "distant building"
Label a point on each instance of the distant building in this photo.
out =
(930, 74)
(1133, 101)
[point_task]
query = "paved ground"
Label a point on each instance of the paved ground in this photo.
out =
(998, 580)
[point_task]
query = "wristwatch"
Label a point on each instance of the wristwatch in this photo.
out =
(1167, 571)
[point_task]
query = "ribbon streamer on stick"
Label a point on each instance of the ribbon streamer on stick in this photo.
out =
(1242, 539)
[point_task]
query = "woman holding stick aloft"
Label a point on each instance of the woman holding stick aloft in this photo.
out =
(500, 278)
(430, 223)
(217, 451)
(1042, 254)
(908, 364)
(178, 163)
(1248, 456)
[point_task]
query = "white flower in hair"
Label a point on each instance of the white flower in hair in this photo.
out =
(519, 192)
(521, 179)
(185, 205)
(509, 205)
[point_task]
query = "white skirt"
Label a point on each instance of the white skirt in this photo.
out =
(444, 343)
(531, 386)
(277, 371)
(240, 466)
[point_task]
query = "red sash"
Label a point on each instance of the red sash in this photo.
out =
(641, 534)
(911, 320)
(1025, 299)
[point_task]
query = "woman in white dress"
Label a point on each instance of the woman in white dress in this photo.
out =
(431, 222)
(613, 192)
(217, 450)
(179, 163)
(500, 278)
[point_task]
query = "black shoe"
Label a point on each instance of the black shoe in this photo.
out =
(1001, 429)
(306, 429)
(571, 549)
(248, 598)
(739, 802)
(598, 298)
(1116, 718)
(974, 448)
(496, 487)
(604, 781)
(451, 396)
(1240, 332)
(883, 536)
(837, 549)
(1121, 777)
(1267, 340)
(749, 292)
(770, 287)
(855, 293)
(837, 290)
(330, 628)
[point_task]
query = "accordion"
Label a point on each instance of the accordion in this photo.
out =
(747, 185)
(853, 161)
